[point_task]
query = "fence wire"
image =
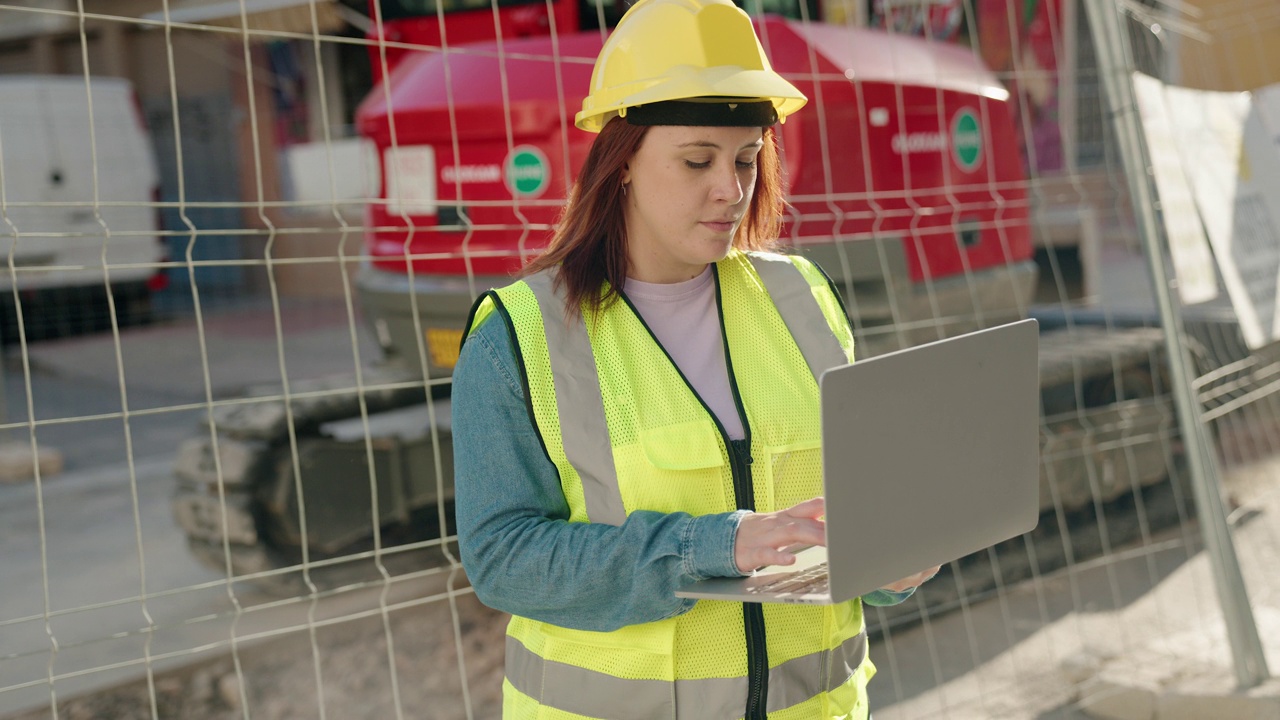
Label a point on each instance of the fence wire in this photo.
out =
(238, 268)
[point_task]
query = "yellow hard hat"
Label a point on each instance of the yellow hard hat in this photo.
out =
(698, 51)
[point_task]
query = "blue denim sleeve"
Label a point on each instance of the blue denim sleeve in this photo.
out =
(521, 553)
(885, 598)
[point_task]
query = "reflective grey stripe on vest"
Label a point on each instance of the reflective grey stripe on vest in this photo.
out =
(584, 433)
(600, 695)
(794, 299)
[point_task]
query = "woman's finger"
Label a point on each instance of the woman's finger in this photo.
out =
(771, 538)
(813, 508)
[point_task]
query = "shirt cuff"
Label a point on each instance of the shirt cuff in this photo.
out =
(708, 545)
(885, 598)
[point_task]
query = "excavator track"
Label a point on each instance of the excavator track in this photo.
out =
(241, 512)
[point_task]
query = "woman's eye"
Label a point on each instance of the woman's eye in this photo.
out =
(698, 165)
(747, 164)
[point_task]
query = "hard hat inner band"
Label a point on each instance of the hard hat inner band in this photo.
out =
(705, 113)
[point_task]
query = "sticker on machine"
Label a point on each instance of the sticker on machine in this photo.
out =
(966, 140)
(526, 171)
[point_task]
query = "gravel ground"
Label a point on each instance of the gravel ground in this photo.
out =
(278, 679)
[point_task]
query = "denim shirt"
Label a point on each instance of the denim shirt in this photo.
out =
(521, 553)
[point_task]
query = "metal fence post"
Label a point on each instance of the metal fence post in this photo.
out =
(1115, 65)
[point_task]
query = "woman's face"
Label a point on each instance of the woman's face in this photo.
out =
(688, 189)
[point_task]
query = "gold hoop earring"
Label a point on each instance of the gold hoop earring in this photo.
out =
(624, 189)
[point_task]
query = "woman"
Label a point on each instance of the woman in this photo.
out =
(635, 413)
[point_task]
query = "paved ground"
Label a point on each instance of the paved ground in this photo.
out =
(76, 387)
(109, 538)
(1097, 637)
(1041, 651)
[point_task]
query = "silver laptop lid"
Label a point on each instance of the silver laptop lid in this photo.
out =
(954, 465)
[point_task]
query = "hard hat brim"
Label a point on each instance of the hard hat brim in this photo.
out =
(716, 82)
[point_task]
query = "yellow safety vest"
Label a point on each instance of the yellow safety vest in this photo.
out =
(627, 433)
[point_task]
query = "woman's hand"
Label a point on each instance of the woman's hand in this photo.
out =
(764, 538)
(912, 581)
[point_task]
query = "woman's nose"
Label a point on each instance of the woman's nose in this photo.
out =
(728, 185)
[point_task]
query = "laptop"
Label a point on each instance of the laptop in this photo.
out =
(928, 454)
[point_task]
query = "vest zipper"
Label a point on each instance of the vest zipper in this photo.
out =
(745, 498)
(745, 495)
(752, 613)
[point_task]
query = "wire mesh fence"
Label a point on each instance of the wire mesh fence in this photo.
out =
(238, 269)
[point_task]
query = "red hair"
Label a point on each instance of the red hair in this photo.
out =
(589, 243)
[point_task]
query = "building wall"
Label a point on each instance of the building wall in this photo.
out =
(1240, 49)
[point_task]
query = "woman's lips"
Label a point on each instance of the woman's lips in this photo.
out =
(719, 226)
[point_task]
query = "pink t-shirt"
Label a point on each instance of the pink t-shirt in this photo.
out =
(684, 318)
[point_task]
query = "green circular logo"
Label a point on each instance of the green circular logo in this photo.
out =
(966, 139)
(527, 171)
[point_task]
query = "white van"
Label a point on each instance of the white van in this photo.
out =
(49, 222)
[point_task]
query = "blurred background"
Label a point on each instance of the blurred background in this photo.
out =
(241, 239)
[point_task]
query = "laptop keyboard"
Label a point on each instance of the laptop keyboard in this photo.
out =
(801, 582)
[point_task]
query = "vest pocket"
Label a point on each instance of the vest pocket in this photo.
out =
(795, 474)
(675, 468)
(595, 674)
(682, 446)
